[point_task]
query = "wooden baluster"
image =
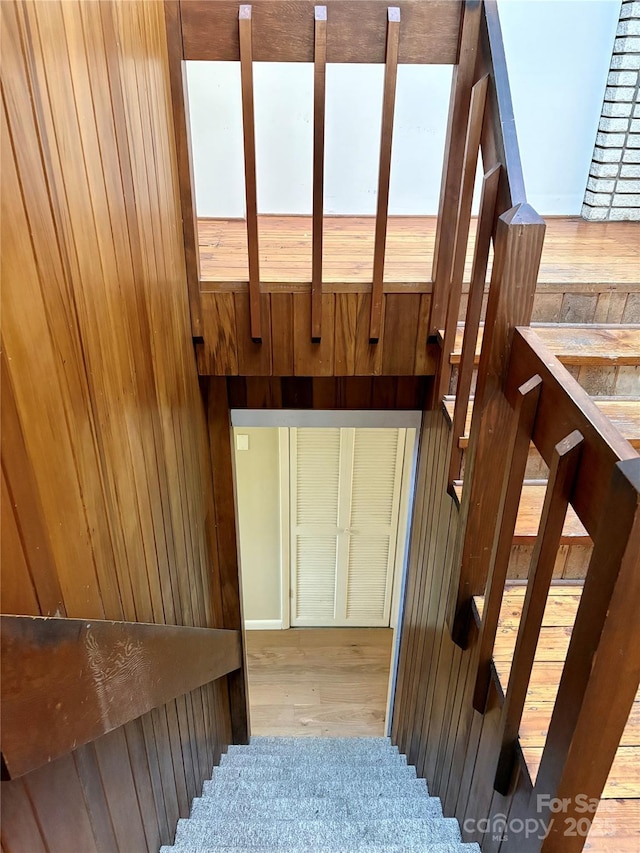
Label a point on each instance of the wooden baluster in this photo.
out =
(463, 220)
(463, 75)
(602, 668)
(248, 124)
(319, 78)
(517, 455)
(474, 311)
(518, 244)
(388, 107)
(564, 466)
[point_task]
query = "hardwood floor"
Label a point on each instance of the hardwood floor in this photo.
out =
(574, 251)
(319, 681)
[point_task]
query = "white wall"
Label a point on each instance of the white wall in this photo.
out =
(558, 54)
(257, 473)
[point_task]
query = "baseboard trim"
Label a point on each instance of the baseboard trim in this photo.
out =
(263, 624)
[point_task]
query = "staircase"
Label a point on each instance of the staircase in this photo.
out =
(317, 795)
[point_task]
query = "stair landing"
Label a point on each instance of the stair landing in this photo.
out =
(617, 823)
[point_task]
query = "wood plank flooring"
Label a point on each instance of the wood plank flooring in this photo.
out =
(574, 251)
(617, 823)
(319, 681)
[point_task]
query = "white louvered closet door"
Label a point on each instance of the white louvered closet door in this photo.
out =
(345, 497)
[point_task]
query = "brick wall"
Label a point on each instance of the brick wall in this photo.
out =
(613, 189)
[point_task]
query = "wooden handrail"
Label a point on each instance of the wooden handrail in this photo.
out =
(601, 675)
(76, 679)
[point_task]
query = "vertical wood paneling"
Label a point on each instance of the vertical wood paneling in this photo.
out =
(313, 358)
(108, 505)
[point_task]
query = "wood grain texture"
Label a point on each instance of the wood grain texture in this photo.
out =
(245, 28)
(105, 443)
(319, 681)
(579, 259)
(90, 665)
(319, 92)
(384, 169)
(355, 33)
(519, 237)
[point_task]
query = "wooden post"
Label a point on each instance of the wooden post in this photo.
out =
(219, 422)
(453, 159)
(384, 175)
(518, 246)
(566, 457)
(248, 125)
(319, 77)
(181, 130)
(484, 233)
(463, 220)
(517, 455)
(602, 669)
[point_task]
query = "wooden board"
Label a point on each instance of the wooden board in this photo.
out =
(283, 31)
(105, 448)
(81, 674)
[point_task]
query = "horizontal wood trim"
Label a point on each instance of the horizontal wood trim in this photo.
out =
(283, 31)
(76, 679)
(306, 287)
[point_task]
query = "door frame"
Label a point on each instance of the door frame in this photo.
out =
(282, 419)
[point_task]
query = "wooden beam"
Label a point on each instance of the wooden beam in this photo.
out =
(248, 126)
(66, 682)
(284, 31)
(384, 174)
(319, 89)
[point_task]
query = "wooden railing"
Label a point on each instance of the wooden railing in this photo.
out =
(464, 33)
(74, 680)
(596, 471)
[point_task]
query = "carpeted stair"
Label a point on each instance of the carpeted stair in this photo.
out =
(317, 795)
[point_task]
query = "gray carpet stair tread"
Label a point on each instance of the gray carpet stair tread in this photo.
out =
(277, 833)
(290, 758)
(337, 772)
(316, 795)
(426, 847)
(313, 787)
(316, 808)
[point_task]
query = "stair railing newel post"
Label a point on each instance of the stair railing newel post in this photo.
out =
(518, 247)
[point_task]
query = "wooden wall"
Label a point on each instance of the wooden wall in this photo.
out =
(344, 348)
(434, 722)
(107, 495)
